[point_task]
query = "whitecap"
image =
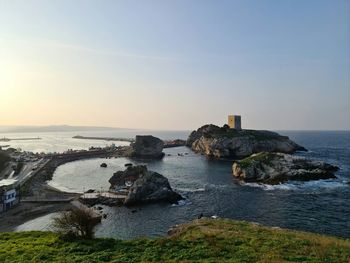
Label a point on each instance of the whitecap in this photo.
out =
(182, 202)
(301, 185)
(268, 187)
(191, 190)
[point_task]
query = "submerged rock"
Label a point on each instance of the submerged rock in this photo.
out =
(143, 186)
(103, 165)
(223, 142)
(147, 146)
(274, 168)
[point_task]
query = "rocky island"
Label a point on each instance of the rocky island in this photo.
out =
(146, 146)
(142, 186)
(225, 142)
(274, 168)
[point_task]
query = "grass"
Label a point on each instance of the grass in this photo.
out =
(263, 157)
(256, 134)
(203, 240)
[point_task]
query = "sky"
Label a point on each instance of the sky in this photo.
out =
(176, 65)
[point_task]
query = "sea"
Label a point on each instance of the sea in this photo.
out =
(321, 206)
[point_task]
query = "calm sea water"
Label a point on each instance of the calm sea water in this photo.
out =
(62, 141)
(318, 206)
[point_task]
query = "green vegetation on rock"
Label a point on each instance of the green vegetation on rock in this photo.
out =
(256, 134)
(203, 240)
(263, 157)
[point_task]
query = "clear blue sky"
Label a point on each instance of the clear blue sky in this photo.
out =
(175, 64)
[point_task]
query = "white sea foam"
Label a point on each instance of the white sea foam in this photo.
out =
(182, 203)
(300, 185)
(190, 190)
(268, 187)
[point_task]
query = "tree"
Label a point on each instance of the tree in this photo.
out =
(79, 222)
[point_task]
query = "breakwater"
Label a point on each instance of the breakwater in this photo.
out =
(4, 139)
(103, 138)
(36, 183)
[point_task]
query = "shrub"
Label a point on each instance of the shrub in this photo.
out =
(78, 222)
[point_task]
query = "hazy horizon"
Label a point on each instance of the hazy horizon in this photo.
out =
(175, 65)
(72, 128)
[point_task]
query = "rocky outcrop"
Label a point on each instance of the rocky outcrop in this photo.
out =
(223, 142)
(174, 143)
(143, 186)
(205, 130)
(274, 168)
(147, 146)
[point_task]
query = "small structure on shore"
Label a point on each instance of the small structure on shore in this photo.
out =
(133, 186)
(142, 186)
(9, 194)
(234, 122)
(225, 142)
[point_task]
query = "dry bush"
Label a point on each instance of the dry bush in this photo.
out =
(78, 222)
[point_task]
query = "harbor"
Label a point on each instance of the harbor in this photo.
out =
(4, 139)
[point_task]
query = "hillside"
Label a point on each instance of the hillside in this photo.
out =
(4, 158)
(203, 240)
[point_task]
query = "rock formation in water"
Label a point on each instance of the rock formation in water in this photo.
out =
(174, 143)
(147, 146)
(143, 186)
(274, 168)
(223, 142)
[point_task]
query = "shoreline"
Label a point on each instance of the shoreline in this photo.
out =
(38, 198)
(25, 212)
(29, 208)
(19, 139)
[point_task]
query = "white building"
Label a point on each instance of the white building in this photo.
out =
(9, 194)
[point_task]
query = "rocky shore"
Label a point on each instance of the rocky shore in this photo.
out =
(223, 142)
(28, 211)
(274, 168)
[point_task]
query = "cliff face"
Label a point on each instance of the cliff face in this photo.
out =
(274, 168)
(223, 142)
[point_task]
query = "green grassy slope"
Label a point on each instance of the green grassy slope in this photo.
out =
(200, 241)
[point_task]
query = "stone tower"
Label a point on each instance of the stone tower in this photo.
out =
(234, 122)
